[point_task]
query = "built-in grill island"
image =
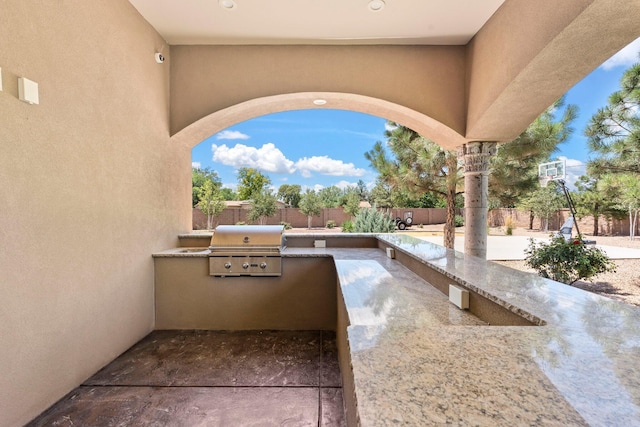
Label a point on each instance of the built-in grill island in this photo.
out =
(246, 250)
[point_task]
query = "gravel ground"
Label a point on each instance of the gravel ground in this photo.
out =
(623, 285)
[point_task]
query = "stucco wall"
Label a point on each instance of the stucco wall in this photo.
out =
(297, 219)
(606, 227)
(76, 273)
(531, 52)
(427, 79)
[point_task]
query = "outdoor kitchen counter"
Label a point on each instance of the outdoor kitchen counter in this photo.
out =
(410, 367)
(581, 367)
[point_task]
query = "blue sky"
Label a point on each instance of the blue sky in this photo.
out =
(320, 148)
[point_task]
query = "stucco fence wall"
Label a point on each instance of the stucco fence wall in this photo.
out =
(294, 217)
(613, 227)
(497, 217)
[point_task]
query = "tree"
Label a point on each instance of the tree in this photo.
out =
(513, 171)
(614, 137)
(614, 131)
(419, 166)
(263, 206)
(626, 189)
(228, 194)
(330, 196)
(210, 203)
(544, 202)
(361, 188)
(250, 182)
(384, 196)
(290, 194)
(310, 205)
(351, 202)
(198, 178)
(381, 194)
(594, 199)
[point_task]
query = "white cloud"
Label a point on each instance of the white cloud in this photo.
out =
(575, 169)
(267, 158)
(345, 184)
(270, 159)
(389, 127)
(327, 166)
(231, 134)
(231, 185)
(196, 165)
(626, 57)
(316, 188)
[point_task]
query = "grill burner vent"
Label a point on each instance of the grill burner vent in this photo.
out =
(246, 250)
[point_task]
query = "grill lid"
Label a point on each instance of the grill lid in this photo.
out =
(247, 237)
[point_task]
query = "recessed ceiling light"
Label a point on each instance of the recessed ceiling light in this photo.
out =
(376, 5)
(227, 4)
(319, 101)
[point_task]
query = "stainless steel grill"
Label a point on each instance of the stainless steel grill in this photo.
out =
(246, 250)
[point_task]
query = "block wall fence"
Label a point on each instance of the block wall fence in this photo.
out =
(425, 216)
(294, 217)
(606, 227)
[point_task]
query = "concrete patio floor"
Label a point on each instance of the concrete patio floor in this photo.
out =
(212, 378)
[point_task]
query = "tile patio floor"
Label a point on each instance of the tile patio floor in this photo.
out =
(212, 378)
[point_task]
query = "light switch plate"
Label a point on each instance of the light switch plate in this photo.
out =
(459, 297)
(28, 91)
(320, 243)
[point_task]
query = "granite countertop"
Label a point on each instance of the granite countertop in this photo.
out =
(581, 368)
(193, 252)
(418, 360)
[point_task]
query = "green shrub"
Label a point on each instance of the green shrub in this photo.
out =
(241, 223)
(347, 226)
(287, 226)
(459, 220)
(331, 223)
(509, 226)
(567, 262)
(371, 220)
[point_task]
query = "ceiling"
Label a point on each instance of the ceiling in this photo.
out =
(412, 22)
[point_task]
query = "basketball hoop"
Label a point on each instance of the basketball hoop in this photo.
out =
(551, 171)
(544, 180)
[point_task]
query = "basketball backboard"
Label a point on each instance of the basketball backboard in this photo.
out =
(551, 171)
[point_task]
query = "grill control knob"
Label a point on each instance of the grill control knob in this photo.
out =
(263, 265)
(245, 265)
(227, 265)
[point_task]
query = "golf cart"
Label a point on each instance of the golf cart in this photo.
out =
(402, 224)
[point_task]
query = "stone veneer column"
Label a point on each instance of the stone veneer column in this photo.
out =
(476, 157)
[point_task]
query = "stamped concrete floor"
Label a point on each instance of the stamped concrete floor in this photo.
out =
(212, 378)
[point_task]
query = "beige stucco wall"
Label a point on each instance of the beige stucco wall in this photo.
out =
(532, 52)
(525, 57)
(89, 185)
(425, 79)
(302, 298)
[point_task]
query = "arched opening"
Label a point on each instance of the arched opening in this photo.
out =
(215, 122)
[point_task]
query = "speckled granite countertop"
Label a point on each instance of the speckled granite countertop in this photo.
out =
(581, 368)
(417, 360)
